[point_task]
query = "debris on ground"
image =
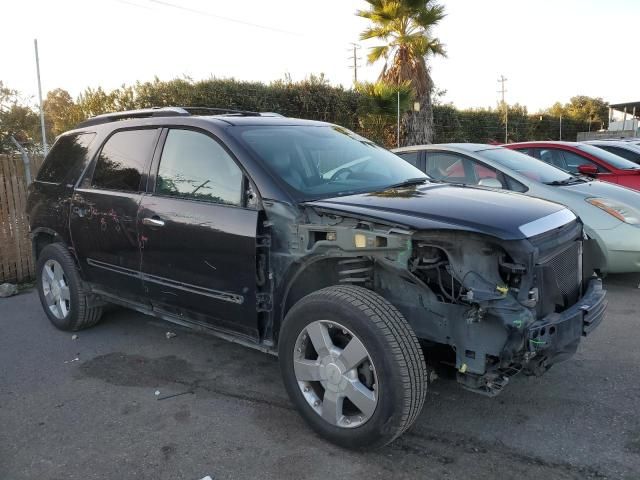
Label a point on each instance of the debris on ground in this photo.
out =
(208, 477)
(8, 289)
(170, 335)
(77, 359)
(176, 395)
(74, 337)
(157, 393)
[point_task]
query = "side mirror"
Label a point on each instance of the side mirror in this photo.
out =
(588, 169)
(490, 182)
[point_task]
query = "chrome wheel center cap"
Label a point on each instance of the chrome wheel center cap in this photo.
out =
(334, 374)
(55, 290)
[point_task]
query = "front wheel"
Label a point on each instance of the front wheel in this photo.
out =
(352, 366)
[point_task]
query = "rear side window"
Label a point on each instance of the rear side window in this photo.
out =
(67, 159)
(410, 157)
(123, 159)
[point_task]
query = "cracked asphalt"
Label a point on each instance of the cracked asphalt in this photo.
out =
(88, 409)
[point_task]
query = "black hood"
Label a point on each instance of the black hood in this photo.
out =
(442, 206)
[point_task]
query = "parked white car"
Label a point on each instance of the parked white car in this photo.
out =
(610, 213)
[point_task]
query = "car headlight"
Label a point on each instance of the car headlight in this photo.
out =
(622, 212)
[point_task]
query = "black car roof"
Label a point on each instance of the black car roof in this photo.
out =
(269, 121)
(190, 116)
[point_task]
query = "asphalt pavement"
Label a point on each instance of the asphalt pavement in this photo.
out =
(123, 401)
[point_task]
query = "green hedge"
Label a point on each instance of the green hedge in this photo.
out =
(359, 110)
(315, 99)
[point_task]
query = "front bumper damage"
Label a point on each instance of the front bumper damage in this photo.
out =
(549, 340)
(555, 337)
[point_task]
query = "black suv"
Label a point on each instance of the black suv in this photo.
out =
(305, 240)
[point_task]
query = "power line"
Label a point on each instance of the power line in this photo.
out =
(220, 17)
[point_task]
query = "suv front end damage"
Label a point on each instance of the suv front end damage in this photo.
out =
(502, 306)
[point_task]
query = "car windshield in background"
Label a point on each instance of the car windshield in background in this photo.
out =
(528, 166)
(611, 158)
(327, 161)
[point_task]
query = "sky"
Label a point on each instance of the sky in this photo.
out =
(549, 50)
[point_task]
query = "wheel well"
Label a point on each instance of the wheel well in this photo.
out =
(41, 240)
(316, 276)
(44, 237)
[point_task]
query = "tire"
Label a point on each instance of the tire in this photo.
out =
(63, 295)
(376, 407)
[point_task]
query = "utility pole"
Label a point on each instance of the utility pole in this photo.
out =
(44, 135)
(355, 58)
(501, 80)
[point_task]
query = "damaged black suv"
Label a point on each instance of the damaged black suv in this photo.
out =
(305, 240)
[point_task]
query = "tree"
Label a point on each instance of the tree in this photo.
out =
(16, 119)
(377, 113)
(61, 112)
(582, 108)
(405, 27)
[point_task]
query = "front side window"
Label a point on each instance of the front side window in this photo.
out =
(123, 159)
(67, 159)
(573, 161)
(196, 167)
(324, 161)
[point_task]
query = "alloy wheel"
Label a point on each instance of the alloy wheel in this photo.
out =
(336, 374)
(56, 289)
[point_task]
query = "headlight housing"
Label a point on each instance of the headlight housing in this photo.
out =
(621, 211)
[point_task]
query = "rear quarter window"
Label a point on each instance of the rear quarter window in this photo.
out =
(67, 159)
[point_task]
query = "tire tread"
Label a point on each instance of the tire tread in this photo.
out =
(403, 343)
(86, 316)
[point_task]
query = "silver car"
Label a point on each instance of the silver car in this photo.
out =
(628, 150)
(611, 213)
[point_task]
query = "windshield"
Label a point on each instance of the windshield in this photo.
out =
(525, 165)
(325, 161)
(611, 158)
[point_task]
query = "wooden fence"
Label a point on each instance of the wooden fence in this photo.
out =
(16, 260)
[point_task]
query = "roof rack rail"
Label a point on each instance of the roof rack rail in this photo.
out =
(142, 113)
(219, 111)
(170, 112)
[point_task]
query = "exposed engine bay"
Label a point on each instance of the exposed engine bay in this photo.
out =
(474, 301)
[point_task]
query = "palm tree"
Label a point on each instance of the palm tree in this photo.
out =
(406, 27)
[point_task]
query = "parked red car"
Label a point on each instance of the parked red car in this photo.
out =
(585, 159)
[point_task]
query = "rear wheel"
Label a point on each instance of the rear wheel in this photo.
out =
(352, 366)
(64, 298)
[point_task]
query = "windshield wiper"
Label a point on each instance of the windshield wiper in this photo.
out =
(408, 182)
(566, 181)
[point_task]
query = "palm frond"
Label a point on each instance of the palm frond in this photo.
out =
(429, 17)
(376, 53)
(376, 32)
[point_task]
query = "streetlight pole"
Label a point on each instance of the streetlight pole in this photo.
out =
(44, 135)
(398, 115)
(560, 126)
